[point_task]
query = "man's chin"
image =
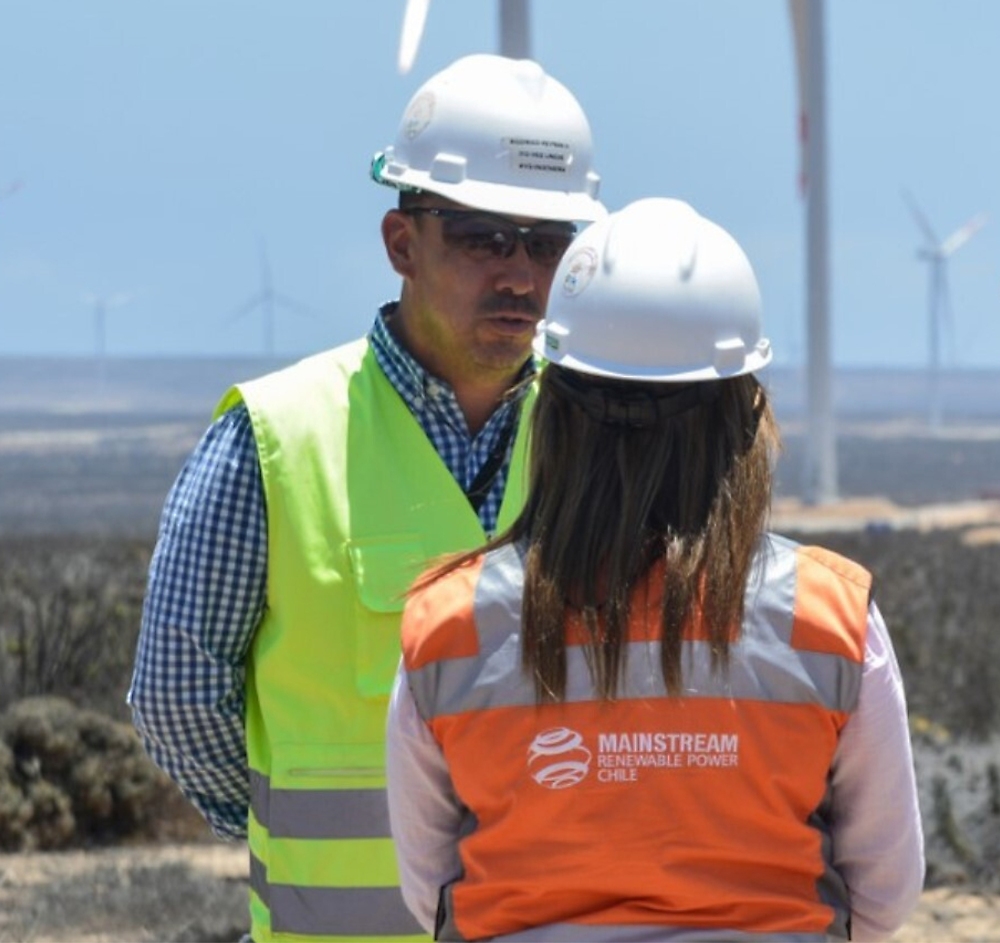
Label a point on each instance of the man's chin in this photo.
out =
(504, 357)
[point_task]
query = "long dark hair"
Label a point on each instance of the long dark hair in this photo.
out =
(624, 476)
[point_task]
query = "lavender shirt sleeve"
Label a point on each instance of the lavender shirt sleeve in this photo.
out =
(877, 834)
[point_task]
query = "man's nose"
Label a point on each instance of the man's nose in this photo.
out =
(518, 273)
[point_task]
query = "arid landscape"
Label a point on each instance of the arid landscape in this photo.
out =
(86, 458)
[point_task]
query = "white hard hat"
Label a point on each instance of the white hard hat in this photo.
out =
(496, 134)
(654, 292)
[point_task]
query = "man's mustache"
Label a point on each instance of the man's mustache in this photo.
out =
(505, 303)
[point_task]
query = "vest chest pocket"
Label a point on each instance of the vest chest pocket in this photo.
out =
(383, 570)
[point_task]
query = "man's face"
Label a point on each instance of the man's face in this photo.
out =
(473, 294)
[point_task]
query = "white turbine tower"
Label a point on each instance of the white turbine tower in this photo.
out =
(513, 22)
(936, 252)
(267, 299)
(820, 482)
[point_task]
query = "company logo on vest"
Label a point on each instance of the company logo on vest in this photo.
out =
(558, 759)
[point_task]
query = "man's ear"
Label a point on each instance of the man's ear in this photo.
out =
(399, 236)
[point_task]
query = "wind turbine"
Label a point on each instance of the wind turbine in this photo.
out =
(267, 299)
(936, 252)
(514, 30)
(100, 305)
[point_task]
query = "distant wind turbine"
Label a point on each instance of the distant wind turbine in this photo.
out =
(513, 22)
(100, 306)
(267, 299)
(936, 252)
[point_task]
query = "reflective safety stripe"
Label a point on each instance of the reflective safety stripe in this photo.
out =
(623, 933)
(319, 813)
(763, 664)
(374, 912)
(632, 933)
(443, 688)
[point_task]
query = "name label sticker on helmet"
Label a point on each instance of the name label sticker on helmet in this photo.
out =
(532, 155)
(580, 268)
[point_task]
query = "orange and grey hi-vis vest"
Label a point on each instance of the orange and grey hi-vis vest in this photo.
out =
(702, 817)
(358, 502)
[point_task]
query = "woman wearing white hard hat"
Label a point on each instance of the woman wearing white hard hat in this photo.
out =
(637, 715)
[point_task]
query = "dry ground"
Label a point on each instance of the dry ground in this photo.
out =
(188, 892)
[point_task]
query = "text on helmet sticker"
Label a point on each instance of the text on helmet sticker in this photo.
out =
(535, 154)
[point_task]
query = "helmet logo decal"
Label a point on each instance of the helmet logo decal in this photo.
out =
(418, 115)
(558, 759)
(534, 154)
(580, 268)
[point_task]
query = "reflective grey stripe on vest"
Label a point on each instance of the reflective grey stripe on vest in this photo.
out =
(763, 664)
(319, 813)
(374, 912)
(621, 933)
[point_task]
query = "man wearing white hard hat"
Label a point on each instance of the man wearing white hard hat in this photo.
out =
(270, 629)
(636, 715)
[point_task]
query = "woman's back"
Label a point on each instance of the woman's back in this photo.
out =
(595, 818)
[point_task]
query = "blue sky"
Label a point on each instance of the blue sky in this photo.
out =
(156, 143)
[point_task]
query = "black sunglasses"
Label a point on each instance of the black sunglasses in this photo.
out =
(484, 236)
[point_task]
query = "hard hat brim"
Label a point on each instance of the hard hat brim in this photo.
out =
(758, 358)
(498, 197)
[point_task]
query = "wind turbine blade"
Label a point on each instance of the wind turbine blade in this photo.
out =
(414, 18)
(799, 16)
(245, 308)
(515, 29)
(963, 234)
(292, 305)
(921, 220)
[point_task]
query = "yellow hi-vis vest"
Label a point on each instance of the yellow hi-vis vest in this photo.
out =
(358, 502)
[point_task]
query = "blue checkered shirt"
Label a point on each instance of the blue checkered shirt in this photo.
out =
(207, 582)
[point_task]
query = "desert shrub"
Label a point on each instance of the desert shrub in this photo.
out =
(71, 777)
(164, 902)
(69, 617)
